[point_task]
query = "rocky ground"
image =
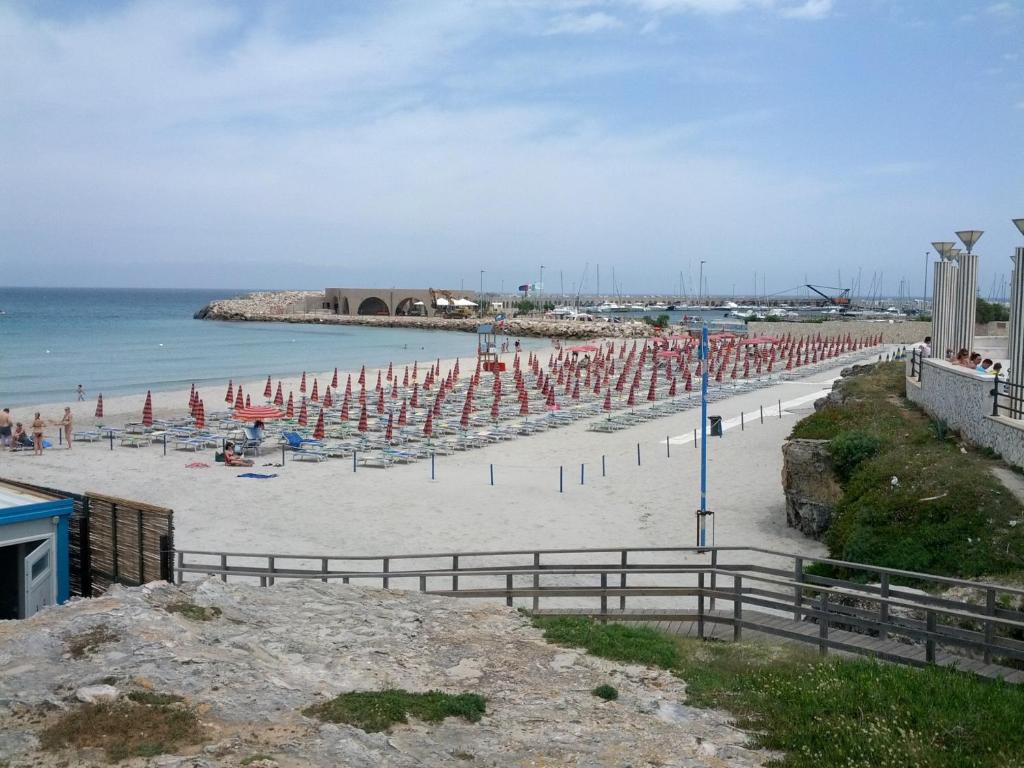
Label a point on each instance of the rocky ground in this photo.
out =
(281, 306)
(263, 655)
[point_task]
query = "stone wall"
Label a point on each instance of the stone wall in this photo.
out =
(895, 332)
(963, 399)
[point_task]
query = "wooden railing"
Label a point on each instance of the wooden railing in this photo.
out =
(765, 591)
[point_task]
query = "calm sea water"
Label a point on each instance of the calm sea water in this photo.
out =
(121, 341)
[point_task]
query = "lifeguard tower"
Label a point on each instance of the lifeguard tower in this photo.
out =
(487, 348)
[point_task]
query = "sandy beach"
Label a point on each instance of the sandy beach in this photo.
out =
(326, 508)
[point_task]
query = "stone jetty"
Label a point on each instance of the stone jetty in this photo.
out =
(289, 307)
(249, 660)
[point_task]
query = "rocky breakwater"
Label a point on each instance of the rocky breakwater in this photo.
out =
(289, 307)
(245, 662)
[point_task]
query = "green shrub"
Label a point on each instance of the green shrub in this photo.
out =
(849, 449)
(606, 692)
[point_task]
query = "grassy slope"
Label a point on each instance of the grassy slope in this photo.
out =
(948, 514)
(856, 714)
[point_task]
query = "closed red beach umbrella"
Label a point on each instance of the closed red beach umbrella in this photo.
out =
(328, 400)
(239, 398)
(363, 424)
(99, 406)
(405, 377)
(303, 414)
(403, 415)
(389, 430)
(302, 384)
(279, 396)
(414, 401)
(672, 388)
(415, 369)
(377, 385)
(200, 415)
(495, 406)
(147, 410)
(318, 430)
(269, 389)
(428, 425)
(230, 396)
(344, 408)
(334, 380)
(631, 400)
(315, 396)
(524, 405)
(394, 388)
(391, 374)
(380, 401)
(348, 384)
(607, 400)
(247, 401)
(464, 421)
(290, 409)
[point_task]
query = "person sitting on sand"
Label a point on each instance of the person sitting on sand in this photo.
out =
(20, 438)
(231, 460)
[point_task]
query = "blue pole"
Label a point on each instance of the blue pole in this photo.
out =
(703, 357)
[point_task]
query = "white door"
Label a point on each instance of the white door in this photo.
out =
(40, 578)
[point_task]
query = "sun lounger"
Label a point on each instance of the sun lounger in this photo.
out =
(377, 460)
(86, 436)
(305, 454)
(135, 441)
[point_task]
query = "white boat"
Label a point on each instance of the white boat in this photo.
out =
(730, 305)
(657, 307)
(607, 306)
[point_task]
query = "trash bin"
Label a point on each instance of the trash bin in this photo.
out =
(716, 425)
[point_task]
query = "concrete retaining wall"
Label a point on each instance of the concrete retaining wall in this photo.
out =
(963, 399)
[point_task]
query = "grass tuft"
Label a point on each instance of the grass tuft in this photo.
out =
(194, 612)
(379, 710)
(619, 642)
(606, 692)
(88, 642)
(835, 712)
(142, 726)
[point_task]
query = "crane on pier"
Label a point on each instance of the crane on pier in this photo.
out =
(841, 299)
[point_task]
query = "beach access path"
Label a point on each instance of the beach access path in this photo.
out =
(326, 508)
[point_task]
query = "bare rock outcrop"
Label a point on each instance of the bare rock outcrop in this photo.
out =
(810, 485)
(248, 660)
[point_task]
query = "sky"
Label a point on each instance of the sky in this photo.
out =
(328, 143)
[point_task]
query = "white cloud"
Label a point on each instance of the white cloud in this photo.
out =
(1001, 9)
(811, 9)
(583, 24)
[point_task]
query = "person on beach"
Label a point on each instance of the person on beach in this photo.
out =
(37, 434)
(66, 424)
(518, 345)
(5, 427)
(926, 346)
(231, 460)
(20, 439)
(81, 393)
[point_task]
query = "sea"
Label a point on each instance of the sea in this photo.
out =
(124, 341)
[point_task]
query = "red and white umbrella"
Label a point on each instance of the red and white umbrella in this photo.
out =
(258, 413)
(315, 396)
(344, 408)
(363, 424)
(302, 384)
(303, 414)
(247, 401)
(279, 396)
(229, 398)
(362, 375)
(268, 390)
(403, 416)
(391, 374)
(607, 400)
(414, 400)
(428, 425)
(318, 430)
(147, 410)
(389, 430)
(328, 400)
(405, 377)
(200, 415)
(380, 401)
(99, 406)
(334, 380)
(524, 405)
(290, 410)
(239, 398)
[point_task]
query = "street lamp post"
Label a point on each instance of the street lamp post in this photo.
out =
(702, 513)
(540, 291)
(700, 285)
(480, 297)
(924, 292)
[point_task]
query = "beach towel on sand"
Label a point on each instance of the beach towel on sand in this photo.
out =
(256, 475)
(197, 465)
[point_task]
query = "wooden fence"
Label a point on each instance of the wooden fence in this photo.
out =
(114, 541)
(901, 616)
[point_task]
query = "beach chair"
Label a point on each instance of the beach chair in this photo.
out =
(377, 460)
(304, 449)
(135, 441)
(86, 436)
(251, 440)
